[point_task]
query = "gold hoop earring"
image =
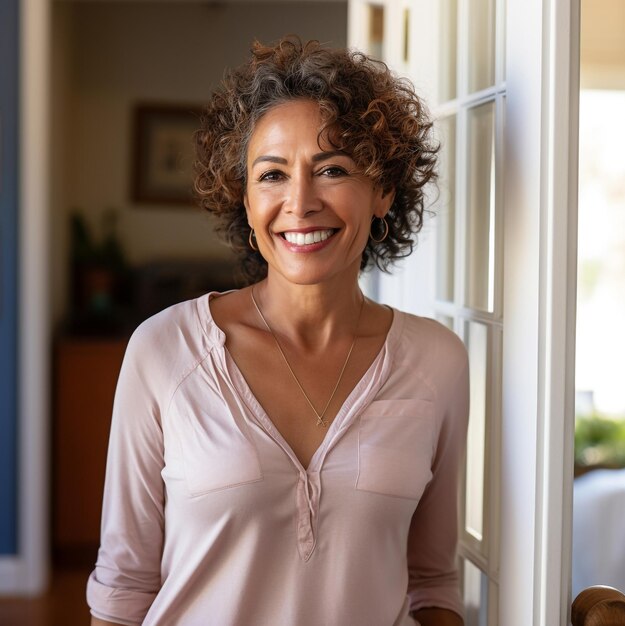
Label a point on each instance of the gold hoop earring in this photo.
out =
(250, 240)
(384, 235)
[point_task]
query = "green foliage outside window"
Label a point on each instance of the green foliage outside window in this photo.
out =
(599, 441)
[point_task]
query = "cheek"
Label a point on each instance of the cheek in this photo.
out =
(260, 213)
(261, 200)
(364, 207)
(253, 206)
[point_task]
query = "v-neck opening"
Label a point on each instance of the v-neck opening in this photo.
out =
(381, 360)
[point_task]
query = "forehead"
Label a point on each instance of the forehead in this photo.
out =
(286, 123)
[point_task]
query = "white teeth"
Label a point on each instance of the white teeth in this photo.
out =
(301, 239)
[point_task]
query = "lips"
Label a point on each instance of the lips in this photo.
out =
(307, 238)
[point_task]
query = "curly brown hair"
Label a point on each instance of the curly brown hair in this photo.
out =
(368, 113)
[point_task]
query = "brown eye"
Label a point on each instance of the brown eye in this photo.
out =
(333, 171)
(271, 176)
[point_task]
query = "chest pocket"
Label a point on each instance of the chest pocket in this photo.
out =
(216, 454)
(396, 447)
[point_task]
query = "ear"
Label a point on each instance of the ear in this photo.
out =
(384, 202)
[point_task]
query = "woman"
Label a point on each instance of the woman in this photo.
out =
(287, 454)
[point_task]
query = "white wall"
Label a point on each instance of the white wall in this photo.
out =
(109, 56)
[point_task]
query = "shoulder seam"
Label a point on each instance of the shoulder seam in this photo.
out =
(183, 377)
(402, 346)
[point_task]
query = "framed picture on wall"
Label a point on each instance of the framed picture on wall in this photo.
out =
(163, 154)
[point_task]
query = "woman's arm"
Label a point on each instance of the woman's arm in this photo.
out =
(126, 578)
(433, 536)
(96, 621)
(437, 617)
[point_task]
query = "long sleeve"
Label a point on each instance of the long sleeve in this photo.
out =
(432, 541)
(127, 574)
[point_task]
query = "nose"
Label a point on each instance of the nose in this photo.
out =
(302, 198)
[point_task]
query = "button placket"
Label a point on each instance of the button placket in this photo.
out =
(307, 508)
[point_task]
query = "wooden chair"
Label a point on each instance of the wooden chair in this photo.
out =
(599, 606)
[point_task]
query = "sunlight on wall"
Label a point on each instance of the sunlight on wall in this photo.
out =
(600, 375)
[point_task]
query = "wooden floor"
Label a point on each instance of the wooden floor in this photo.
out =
(63, 605)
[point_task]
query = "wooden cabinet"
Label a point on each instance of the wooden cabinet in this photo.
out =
(86, 372)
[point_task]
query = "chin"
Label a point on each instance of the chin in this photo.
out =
(317, 276)
(307, 270)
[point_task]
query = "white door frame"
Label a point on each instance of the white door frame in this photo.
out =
(540, 244)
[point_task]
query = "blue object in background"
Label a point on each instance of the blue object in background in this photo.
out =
(9, 21)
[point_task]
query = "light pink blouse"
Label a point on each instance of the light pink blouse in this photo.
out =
(210, 519)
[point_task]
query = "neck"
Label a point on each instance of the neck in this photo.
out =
(311, 316)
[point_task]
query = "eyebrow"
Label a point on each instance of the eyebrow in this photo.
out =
(270, 159)
(316, 158)
(322, 156)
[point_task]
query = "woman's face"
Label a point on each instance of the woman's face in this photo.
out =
(309, 207)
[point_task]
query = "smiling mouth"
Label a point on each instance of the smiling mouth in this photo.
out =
(306, 239)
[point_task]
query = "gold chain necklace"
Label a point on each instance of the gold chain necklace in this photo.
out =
(320, 420)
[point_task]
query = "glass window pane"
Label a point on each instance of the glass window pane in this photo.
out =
(446, 210)
(376, 30)
(476, 339)
(480, 227)
(475, 595)
(481, 52)
(448, 50)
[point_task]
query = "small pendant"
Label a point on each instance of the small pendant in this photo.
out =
(321, 421)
